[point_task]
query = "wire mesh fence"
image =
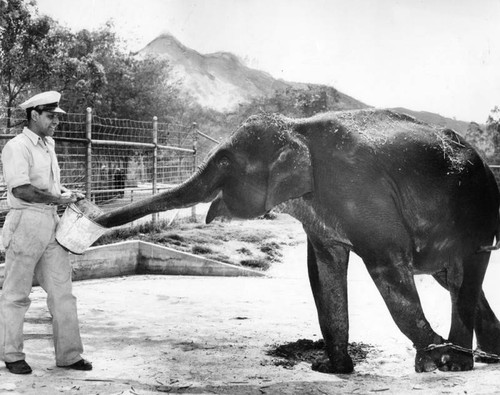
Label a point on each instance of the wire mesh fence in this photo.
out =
(113, 161)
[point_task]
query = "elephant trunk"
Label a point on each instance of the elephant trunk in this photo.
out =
(203, 186)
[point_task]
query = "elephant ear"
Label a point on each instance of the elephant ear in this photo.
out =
(290, 175)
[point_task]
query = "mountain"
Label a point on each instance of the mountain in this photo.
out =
(220, 81)
(429, 117)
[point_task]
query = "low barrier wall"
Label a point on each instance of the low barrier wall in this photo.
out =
(138, 257)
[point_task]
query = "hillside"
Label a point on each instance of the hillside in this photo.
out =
(459, 126)
(220, 81)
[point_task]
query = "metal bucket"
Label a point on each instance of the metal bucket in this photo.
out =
(76, 230)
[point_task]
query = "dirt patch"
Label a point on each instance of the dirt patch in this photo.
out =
(304, 350)
(255, 244)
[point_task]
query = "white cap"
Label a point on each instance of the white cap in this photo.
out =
(45, 101)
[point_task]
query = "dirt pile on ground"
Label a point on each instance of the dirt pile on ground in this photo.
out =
(304, 350)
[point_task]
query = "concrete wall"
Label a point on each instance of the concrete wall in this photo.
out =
(138, 257)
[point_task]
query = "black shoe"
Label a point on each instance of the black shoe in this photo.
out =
(18, 367)
(82, 364)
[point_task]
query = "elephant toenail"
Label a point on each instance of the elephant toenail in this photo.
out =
(445, 358)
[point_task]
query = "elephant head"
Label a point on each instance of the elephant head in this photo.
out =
(263, 164)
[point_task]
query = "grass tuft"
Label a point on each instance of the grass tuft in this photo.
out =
(201, 250)
(256, 244)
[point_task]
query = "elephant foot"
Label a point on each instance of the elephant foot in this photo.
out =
(445, 358)
(488, 347)
(341, 364)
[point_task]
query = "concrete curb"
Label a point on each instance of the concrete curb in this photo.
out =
(138, 257)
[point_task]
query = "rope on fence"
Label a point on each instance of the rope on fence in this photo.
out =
(207, 137)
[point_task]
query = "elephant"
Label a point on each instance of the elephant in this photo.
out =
(407, 197)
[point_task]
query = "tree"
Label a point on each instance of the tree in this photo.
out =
(487, 139)
(26, 51)
(493, 121)
(93, 70)
(90, 68)
(483, 140)
(138, 88)
(3, 13)
(77, 69)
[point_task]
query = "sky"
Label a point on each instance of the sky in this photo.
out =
(441, 56)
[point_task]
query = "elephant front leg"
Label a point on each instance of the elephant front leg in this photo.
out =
(328, 277)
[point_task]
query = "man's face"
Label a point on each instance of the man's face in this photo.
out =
(45, 123)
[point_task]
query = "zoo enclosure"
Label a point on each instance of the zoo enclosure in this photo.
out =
(115, 161)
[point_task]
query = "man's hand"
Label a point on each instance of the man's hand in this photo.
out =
(69, 197)
(66, 198)
(79, 195)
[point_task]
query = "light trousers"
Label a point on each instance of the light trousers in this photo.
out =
(32, 252)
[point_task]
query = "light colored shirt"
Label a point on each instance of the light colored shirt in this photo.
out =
(27, 159)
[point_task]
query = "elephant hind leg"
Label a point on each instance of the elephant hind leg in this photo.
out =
(471, 311)
(487, 329)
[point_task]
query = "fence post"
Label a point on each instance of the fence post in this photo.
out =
(194, 126)
(155, 162)
(88, 156)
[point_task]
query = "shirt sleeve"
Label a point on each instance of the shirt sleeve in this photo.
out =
(15, 161)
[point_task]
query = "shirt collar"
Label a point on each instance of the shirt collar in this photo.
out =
(35, 138)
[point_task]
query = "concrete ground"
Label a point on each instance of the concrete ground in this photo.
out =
(206, 335)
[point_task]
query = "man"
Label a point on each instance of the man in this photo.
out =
(32, 176)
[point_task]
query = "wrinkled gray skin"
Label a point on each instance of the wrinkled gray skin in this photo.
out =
(405, 197)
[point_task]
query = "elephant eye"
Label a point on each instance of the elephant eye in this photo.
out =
(224, 161)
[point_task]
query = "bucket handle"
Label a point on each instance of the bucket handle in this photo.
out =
(79, 214)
